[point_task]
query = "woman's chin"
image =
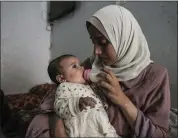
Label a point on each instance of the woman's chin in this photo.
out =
(109, 62)
(106, 62)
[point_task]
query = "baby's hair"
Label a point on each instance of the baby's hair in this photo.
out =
(54, 67)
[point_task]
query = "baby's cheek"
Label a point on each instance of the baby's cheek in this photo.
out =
(70, 77)
(80, 78)
(76, 76)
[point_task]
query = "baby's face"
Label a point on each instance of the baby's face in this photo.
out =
(72, 71)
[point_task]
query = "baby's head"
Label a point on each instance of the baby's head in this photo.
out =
(66, 68)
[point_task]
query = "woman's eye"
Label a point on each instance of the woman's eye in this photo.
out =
(103, 42)
(100, 41)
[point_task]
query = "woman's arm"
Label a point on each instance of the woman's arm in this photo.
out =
(118, 97)
(60, 129)
(150, 123)
(154, 122)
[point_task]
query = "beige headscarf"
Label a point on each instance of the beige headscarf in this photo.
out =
(120, 27)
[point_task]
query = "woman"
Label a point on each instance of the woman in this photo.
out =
(142, 96)
(137, 89)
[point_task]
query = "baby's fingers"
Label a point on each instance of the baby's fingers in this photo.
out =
(83, 107)
(93, 100)
(90, 102)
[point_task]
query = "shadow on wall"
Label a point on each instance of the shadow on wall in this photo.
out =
(59, 9)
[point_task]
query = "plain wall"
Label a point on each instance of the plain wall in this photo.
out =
(25, 46)
(158, 21)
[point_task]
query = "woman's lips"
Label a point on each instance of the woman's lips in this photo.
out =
(103, 58)
(100, 57)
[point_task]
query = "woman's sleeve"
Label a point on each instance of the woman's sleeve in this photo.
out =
(153, 123)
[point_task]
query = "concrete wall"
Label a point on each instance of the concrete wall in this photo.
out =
(158, 21)
(25, 46)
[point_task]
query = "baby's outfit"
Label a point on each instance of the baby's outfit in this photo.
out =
(92, 122)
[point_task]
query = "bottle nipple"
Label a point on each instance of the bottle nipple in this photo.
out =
(91, 76)
(86, 74)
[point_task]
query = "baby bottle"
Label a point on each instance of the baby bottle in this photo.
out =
(91, 75)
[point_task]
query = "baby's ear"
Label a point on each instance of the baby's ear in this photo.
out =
(60, 78)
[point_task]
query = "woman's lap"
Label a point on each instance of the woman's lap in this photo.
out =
(39, 127)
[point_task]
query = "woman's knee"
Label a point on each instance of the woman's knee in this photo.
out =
(39, 126)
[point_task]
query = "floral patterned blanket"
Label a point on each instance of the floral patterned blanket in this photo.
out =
(26, 105)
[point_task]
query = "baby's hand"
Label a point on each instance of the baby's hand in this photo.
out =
(86, 101)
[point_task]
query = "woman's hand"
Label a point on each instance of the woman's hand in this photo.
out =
(111, 84)
(86, 101)
(117, 96)
(60, 129)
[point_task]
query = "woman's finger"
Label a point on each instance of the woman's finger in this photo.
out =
(106, 77)
(109, 78)
(106, 86)
(108, 71)
(101, 75)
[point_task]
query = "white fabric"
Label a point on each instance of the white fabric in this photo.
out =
(90, 123)
(122, 30)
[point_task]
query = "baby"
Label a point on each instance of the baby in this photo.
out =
(73, 95)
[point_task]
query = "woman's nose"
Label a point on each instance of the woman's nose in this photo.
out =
(97, 50)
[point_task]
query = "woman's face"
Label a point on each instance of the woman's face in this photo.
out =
(102, 47)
